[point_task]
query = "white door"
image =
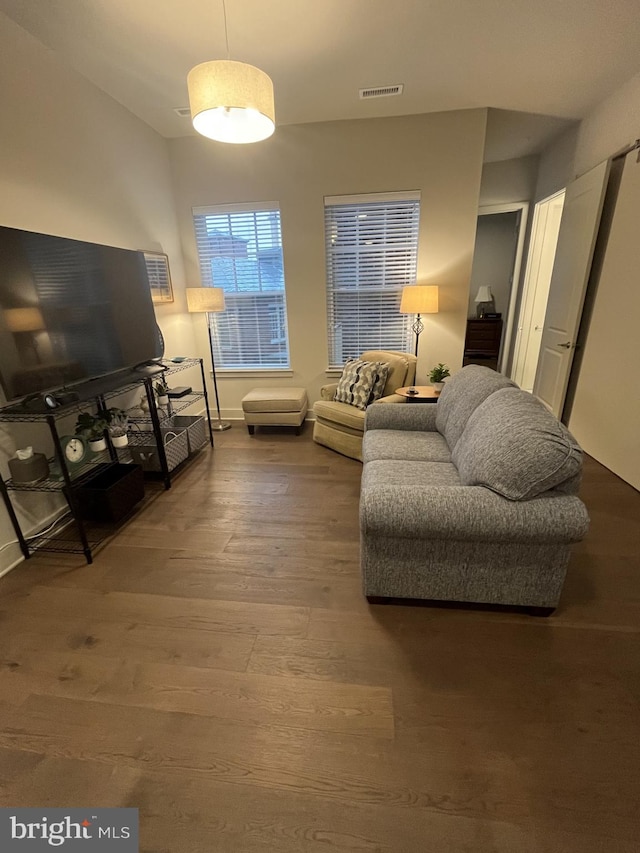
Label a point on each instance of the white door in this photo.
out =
(607, 428)
(544, 239)
(576, 241)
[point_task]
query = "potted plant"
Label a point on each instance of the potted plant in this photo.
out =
(162, 392)
(118, 421)
(92, 428)
(437, 376)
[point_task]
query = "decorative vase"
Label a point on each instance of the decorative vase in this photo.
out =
(120, 440)
(98, 444)
(437, 386)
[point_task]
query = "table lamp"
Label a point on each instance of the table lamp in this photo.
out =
(483, 298)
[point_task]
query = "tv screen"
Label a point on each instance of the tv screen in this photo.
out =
(70, 311)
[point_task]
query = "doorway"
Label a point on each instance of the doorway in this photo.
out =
(535, 293)
(497, 262)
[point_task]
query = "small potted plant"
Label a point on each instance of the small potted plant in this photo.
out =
(437, 376)
(162, 392)
(118, 421)
(92, 428)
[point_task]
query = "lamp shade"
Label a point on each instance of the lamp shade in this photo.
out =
(24, 319)
(419, 299)
(201, 299)
(483, 294)
(231, 101)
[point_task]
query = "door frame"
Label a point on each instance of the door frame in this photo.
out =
(512, 207)
(530, 278)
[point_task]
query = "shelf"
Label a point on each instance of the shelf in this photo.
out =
(106, 386)
(168, 448)
(78, 474)
(178, 404)
(177, 366)
(63, 538)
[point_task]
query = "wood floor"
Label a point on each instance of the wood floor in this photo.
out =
(218, 668)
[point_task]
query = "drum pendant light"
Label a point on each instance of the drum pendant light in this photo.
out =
(231, 101)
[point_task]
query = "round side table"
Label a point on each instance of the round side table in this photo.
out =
(425, 394)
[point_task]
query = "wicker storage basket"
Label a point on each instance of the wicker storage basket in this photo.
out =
(195, 427)
(145, 451)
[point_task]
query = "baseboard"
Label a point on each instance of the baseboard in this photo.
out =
(238, 415)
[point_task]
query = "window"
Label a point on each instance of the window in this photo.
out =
(240, 250)
(371, 247)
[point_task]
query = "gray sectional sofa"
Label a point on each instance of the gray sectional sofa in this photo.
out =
(473, 499)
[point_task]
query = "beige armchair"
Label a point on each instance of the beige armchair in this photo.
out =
(341, 426)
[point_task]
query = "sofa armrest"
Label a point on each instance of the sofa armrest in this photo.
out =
(406, 416)
(469, 513)
(328, 392)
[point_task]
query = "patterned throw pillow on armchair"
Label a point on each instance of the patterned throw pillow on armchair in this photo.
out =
(381, 380)
(357, 382)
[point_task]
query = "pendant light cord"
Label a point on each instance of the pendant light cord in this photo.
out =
(226, 34)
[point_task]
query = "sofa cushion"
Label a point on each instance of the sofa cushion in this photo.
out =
(355, 384)
(340, 414)
(462, 394)
(398, 366)
(412, 445)
(392, 472)
(515, 447)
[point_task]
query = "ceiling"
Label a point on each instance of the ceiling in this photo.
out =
(551, 60)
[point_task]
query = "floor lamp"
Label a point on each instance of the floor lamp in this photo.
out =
(419, 299)
(208, 300)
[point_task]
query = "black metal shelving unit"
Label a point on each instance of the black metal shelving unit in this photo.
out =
(71, 533)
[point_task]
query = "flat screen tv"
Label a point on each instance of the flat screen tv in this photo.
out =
(70, 311)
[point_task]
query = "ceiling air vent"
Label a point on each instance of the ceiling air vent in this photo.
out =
(183, 112)
(381, 91)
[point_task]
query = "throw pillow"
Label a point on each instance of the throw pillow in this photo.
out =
(380, 381)
(356, 382)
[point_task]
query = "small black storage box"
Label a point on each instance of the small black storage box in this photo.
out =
(111, 493)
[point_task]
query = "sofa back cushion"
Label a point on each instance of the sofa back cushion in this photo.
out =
(461, 396)
(398, 368)
(517, 448)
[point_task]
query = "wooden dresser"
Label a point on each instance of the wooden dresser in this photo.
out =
(482, 342)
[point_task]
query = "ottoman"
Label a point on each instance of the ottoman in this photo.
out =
(275, 407)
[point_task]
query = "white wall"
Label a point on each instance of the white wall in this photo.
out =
(556, 164)
(609, 127)
(75, 163)
(508, 181)
(439, 154)
(612, 125)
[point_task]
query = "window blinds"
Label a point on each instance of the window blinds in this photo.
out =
(371, 252)
(240, 250)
